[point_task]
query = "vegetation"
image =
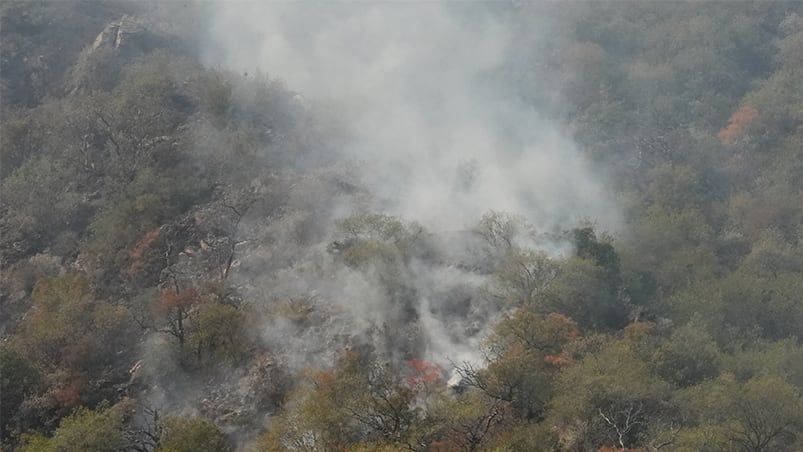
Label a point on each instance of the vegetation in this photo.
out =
(188, 264)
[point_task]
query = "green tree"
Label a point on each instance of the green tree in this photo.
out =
(361, 401)
(86, 430)
(375, 237)
(502, 233)
(19, 379)
(217, 332)
(525, 352)
(688, 358)
(583, 291)
(75, 340)
(523, 275)
(762, 414)
(42, 199)
(191, 435)
(611, 398)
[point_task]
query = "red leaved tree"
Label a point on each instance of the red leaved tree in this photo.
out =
(174, 308)
(738, 125)
(423, 375)
(140, 249)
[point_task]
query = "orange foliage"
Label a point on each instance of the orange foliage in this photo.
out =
(69, 396)
(423, 374)
(173, 299)
(139, 250)
(738, 125)
(564, 324)
(347, 359)
(561, 360)
(325, 377)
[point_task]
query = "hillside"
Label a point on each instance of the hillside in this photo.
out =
(502, 226)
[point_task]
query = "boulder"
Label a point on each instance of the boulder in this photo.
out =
(120, 34)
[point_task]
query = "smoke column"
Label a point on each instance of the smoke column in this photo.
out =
(438, 134)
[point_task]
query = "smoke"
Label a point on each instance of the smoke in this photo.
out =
(437, 131)
(439, 138)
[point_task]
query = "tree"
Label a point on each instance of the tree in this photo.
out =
(361, 401)
(78, 344)
(772, 255)
(584, 292)
(41, 199)
(611, 398)
(191, 435)
(688, 358)
(143, 205)
(19, 379)
(600, 252)
(769, 416)
(503, 233)
(525, 352)
(174, 309)
(468, 423)
(86, 430)
(375, 237)
(217, 332)
(783, 357)
(69, 330)
(524, 275)
(761, 415)
(738, 125)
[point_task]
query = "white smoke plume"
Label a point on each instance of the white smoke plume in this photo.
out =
(436, 133)
(440, 138)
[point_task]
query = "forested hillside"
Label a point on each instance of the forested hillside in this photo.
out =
(502, 226)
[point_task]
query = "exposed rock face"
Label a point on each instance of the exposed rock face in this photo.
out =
(118, 34)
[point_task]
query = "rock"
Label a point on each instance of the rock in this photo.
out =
(120, 33)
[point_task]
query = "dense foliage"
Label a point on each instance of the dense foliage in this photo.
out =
(157, 213)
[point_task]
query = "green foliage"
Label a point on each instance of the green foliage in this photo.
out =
(526, 350)
(601, 252)
(70, 329)
(742, 307)
(41, 201)
(97, 69)
(217, 332)
(375, 238)
(362, 401)
(674, 187)
(18, 136)
(525, 437)
(693, 111)
(784, 358)
(524, 275)
(764, 413)
(675, 246)
(19, 379)
(688, 358)
(583, 292)
(86, 430)
(190, 435)
(151, 198)
(77, 343)
(468, 422)
(771, 255)
(611, 397)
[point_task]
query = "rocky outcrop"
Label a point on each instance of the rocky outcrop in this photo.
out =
(120, 33)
